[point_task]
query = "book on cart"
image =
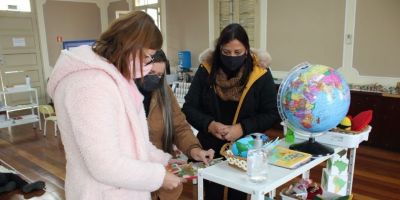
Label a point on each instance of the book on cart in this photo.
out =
(288, 158)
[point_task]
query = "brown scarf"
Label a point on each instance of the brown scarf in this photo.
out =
(229, 89)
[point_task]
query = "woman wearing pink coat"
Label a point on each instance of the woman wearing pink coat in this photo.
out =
(101, 115)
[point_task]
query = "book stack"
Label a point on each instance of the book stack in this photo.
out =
(288, 158)
(335, 176)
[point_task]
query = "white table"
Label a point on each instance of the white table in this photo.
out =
(226, 175)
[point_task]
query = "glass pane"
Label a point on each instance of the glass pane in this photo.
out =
(225, 13)
(154, 14)
(16, 5)
(247, 9)
(145, 2)
(140, 2)
(152, 1)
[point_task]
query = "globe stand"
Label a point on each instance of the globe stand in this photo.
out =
(312, 147)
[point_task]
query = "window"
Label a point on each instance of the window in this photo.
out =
(145, 2)
(121, 13)
(16, 5)
(243, 12)
(151, 7)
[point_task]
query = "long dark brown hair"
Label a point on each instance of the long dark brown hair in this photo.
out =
(125, 38)
(164, 100)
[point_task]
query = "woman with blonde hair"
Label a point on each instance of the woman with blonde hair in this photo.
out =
(101, 116)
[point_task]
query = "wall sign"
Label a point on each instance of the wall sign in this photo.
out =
(18, 42)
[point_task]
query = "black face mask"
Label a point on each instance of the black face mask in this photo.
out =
(150, 83)
(232, 63)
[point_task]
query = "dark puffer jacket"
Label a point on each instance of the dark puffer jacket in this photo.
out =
(256, 111)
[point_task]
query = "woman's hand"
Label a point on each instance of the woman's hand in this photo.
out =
(202, 155)
(234, 132)
(218, 129)
(171, 181)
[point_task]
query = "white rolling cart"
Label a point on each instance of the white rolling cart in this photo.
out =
(6, 121)
(228, 176)
(33, 106)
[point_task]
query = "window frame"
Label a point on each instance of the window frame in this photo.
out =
(234, 17)
(156, 6)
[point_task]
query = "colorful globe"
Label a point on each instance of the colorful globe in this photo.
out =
(242, 146)
(313, 99)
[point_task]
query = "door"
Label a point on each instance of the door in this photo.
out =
(20, 52)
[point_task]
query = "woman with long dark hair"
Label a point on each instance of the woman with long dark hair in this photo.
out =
(167, 124)
(232, 95)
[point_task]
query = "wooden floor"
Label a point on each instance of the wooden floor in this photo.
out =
(377, 174)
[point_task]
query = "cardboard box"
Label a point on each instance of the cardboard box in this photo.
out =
(338, 165)
(334, 183)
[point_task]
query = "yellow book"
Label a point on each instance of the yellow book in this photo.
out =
(287, 158)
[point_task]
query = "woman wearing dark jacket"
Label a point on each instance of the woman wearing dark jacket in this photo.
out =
(167, 124)
(232, 95)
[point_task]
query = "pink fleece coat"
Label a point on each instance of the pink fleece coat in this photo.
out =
(104, 130)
